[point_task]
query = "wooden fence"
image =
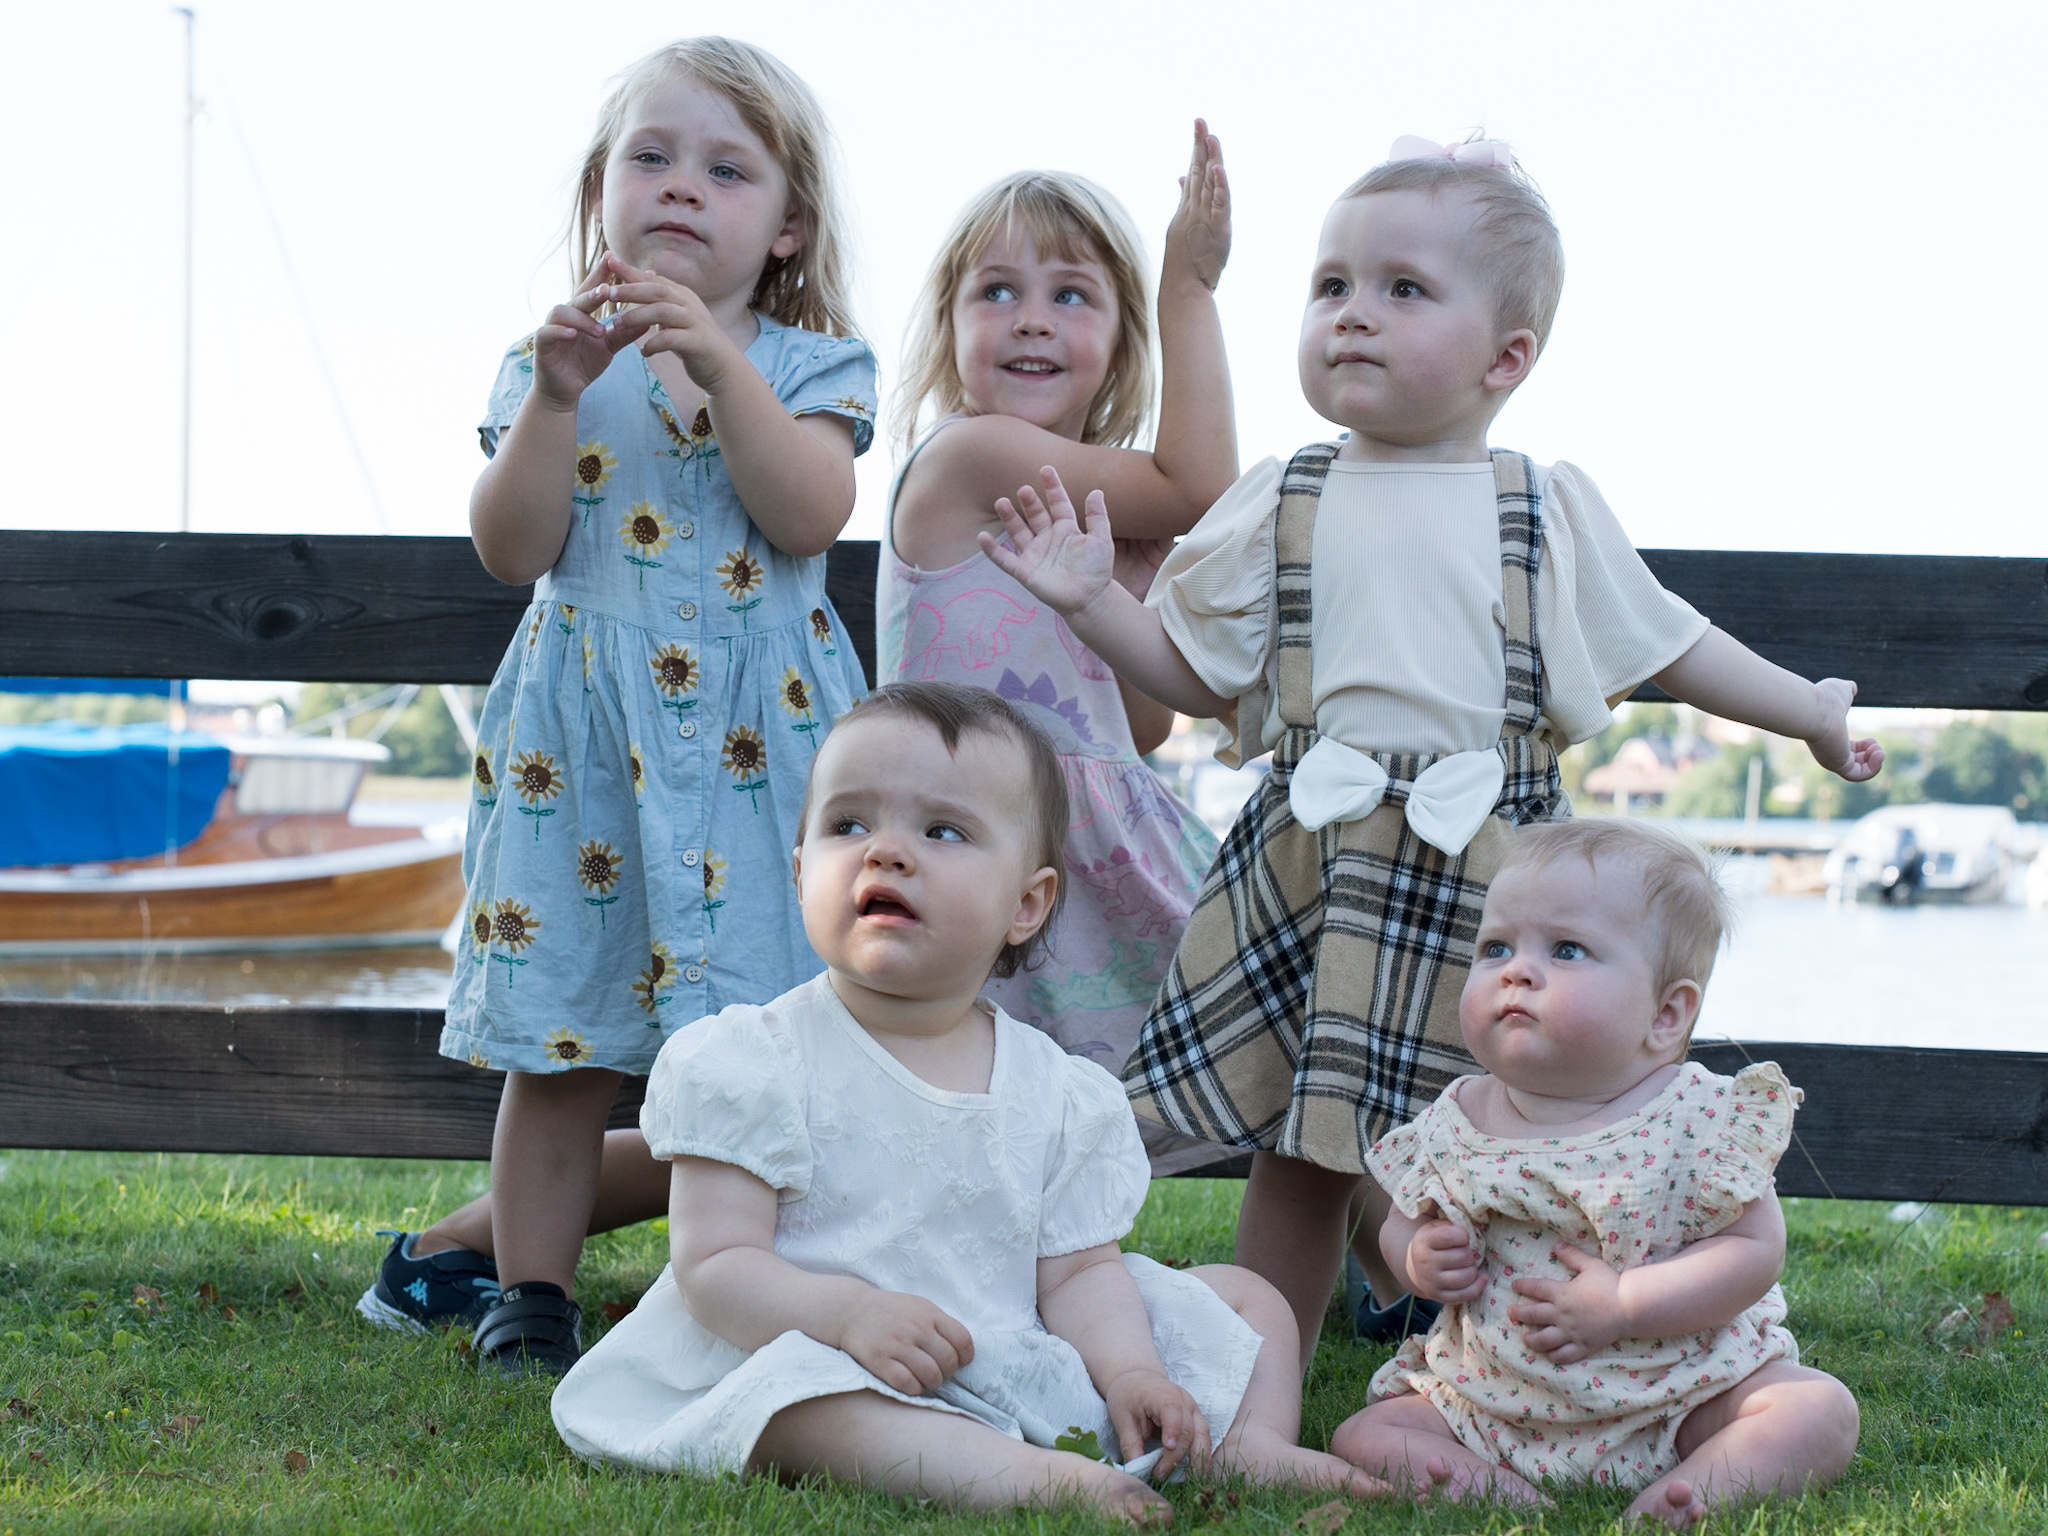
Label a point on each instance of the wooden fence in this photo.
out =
(1879, 1122)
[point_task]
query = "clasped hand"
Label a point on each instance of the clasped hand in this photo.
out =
(906, 1341)
(1142, 1401)
(572, 347)
(1567, 1320)
(1444, 1263)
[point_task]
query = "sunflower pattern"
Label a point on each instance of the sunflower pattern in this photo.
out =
(594, 465)
(486, 786)
(697, 441)
(636, 693)
(675, 675)
(655, 981)
(479, 1060)
(714, 882)
(513, 927)
(537, 778)
(645, 531)
(745, 757)
(568, 1047)
(795, 696)
(740, 574)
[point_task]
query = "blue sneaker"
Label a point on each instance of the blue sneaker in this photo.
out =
(415, 1294)
(1382, 1325)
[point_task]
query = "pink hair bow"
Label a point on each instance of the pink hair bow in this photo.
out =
(1493, 152)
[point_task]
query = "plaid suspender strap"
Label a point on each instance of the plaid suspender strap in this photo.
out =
(1294, 537)
(1520, 505)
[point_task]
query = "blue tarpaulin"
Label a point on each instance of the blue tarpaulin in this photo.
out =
(145, 685)
(73, 794)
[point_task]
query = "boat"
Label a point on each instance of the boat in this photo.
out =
(1907, 854)
(139, 839)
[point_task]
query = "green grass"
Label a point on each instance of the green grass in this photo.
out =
(308, 1420)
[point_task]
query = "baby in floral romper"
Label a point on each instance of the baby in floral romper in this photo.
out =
(1596, 1213)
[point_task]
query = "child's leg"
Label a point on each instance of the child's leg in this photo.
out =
(631, 1187)
(1290, 1232)
(1263, 1441)
(545, 1156)
(863, 1437)
(1406, 1441)
(1782, 1429)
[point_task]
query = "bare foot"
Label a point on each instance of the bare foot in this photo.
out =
(1265, 1457)
(1480, 1482)
(1672, 1503)
(1124, 1498)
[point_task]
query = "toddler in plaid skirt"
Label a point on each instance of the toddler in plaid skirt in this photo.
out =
(1415, 625)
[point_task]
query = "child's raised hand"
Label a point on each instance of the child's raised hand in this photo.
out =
(1831, 746)
(664, 316)
(1141, 1401)
(572, 348)
(1058, 559)
(1199, 235)
(1567, 1320)
(1444, 1264)
(906, 1340)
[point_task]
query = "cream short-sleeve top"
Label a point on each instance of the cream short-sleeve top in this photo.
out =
(1406, 589)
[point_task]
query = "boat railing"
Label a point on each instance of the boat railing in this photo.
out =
(1879, 1122)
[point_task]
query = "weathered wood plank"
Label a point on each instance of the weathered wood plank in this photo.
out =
(300, 608)
(1879, 1123)
(1956, 632)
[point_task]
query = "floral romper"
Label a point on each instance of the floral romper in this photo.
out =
(644, 748)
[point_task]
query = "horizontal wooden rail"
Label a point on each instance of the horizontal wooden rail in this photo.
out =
(1962, 633)
(1879, 1123)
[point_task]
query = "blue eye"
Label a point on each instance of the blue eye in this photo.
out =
(1494, 949)
(848, 826)
(1406, 288)
(941, 833)
(726, 172)
(1569, 949)
(1070, 296)
(998, 293)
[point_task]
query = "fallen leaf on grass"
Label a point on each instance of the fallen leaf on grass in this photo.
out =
(228, 1312)
(1215, 1503)
(294, 1293)
(618, 1311)
(296, 1461)
(183, 1425)
(1324, 1519)
(209, 1293)
(20, 1408)
(149, 1298)
(1946, 1329)
(1995, 1317)
(37, 1456)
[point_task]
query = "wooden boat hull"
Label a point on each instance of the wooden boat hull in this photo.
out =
(405, 891)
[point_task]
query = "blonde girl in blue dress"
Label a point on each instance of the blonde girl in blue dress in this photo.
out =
(671, 456)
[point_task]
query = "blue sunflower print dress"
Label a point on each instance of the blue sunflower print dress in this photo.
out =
(644, 747)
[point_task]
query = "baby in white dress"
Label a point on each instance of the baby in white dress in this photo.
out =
(1597, 1213)
(895, 1210)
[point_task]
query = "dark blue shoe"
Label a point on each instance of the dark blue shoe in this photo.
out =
(1409, 1314)
(456, 1285)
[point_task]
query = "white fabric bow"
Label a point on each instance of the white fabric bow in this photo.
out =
(1493, 152)
(1450, 799)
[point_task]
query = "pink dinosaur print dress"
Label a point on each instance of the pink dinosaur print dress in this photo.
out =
(1135, 854)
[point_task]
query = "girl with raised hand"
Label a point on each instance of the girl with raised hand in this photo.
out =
(895, 1210)
(671, 456)
(1031, 345)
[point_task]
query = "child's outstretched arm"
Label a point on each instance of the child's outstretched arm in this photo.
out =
(1089, 1299)
(1072, 567)
(794, 474)
(950, 492)
(1706, 1286)
(1724, 677)
(519, 511)
(722, 1240)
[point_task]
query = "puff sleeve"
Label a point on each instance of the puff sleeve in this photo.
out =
(732, 1088)
(1214, 595)
(834, 374)
(1745, 1123)
(515, 378)
(1404, 1162)
(1096, 1174)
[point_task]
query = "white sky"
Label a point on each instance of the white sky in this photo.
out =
(1803, 238)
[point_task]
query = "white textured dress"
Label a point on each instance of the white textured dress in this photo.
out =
(951, 1196)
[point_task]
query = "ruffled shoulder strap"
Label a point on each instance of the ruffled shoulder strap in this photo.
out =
(1746, 1123)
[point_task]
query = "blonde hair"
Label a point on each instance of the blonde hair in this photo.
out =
(1064, 215)
(806, 289)
(1524, 256)
(1682, 891)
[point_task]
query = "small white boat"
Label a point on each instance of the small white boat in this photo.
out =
(136, 839)
(1903, 854)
